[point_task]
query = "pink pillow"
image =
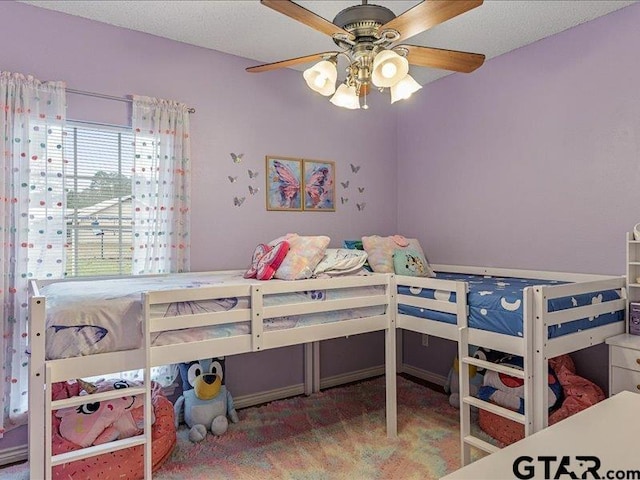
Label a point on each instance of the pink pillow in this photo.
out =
(258, 253)
(266, 260)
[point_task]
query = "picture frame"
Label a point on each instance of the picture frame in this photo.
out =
(284, 180)
(319, 185)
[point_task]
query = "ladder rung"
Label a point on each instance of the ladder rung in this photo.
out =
(97, 450)
(96, 397)
(481, 444)
(497, 409)
(496, 367)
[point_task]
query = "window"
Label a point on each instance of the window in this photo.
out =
(97, 186)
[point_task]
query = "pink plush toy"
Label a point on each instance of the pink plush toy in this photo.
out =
(94, 423)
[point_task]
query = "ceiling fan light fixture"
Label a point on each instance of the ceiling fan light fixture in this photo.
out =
(346, 97)
(388, 68)
(404, 88)
(322, 77)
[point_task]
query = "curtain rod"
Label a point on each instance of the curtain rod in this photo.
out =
(110, 97)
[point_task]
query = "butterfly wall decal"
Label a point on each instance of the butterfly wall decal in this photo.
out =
(354, 168)
(253, 190)
(238, 201)
(360, 206)
(232, 179)
(253, 173)
(343, 200)
(237, 158)
(345, 184)
(361, 189)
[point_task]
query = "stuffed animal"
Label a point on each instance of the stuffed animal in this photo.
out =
(508, 391)
(94, 423)
(476, 375)
(205, 402)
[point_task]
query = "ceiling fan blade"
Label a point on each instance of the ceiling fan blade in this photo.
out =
(301, 14)
(287, 63)
(426, 15)
(446, 59)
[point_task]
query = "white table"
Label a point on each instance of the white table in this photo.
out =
(609, 431)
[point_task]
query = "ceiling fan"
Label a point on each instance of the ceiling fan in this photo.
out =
(369, 36)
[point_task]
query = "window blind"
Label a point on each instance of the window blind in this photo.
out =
(97, 182)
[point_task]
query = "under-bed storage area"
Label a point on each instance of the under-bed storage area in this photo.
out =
(111, 325)
(534, 315)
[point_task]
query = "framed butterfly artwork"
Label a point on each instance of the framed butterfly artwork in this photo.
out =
(319, 190)
(284, 183)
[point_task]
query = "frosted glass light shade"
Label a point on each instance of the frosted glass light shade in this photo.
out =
(388, 69)
(404, 88)
(346, 97)
(322, 77)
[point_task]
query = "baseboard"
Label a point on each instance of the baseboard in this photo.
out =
(267, 396)
(13, 454)
(356, 376)
(293, 390)
(423, 374)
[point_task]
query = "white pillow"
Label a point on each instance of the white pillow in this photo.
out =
(338, 261)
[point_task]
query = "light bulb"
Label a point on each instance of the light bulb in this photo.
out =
(319, 81)
(389, 70)
(404, 88)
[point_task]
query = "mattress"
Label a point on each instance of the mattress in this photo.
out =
(100, 316)
(495, 304)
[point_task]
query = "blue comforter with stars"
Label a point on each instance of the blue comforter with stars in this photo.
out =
(495, 304)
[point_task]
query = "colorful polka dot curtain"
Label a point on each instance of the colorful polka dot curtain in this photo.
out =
(161, 185)
(32, 228)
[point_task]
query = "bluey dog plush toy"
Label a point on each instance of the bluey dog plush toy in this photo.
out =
(205, 401)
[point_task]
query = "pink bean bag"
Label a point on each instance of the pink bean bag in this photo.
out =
(579, 393)
(127, 463)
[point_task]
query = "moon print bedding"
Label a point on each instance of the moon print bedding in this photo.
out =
(99, 316)
(495, 304)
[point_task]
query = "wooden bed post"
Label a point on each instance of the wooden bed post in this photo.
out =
(463, 371)
(390, 360)
(148, 404)
(528, 359)
(36, 384)
(540, 361)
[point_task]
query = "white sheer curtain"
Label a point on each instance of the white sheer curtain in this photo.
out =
(32, 230)
(161, 185)
(161, 195)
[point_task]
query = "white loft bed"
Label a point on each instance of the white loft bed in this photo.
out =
(534, 345)
(254, 314)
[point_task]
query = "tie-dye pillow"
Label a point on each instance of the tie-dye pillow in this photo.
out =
(305, 252)
(381, 250)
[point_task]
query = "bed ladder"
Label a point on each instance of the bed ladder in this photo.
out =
(43, 463)
(467, 439)
(51, 460)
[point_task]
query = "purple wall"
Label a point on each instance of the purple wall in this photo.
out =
(255, 114)
(532, 161)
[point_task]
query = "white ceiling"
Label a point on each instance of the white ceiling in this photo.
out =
(248, 29)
